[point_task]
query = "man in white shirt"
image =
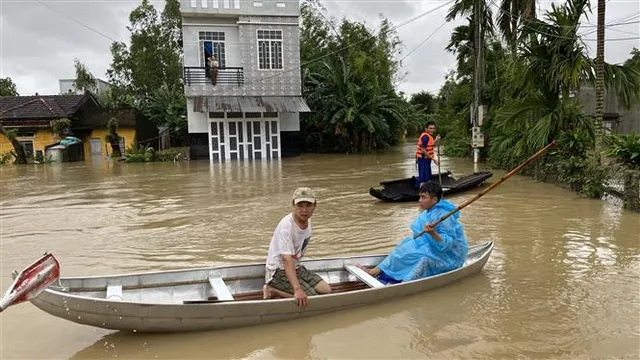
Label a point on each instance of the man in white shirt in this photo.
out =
(284, 276)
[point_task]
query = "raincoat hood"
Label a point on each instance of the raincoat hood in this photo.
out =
(446, 206)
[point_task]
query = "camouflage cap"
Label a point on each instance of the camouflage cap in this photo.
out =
(304, 194)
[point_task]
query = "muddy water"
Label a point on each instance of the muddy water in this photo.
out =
(562, 282)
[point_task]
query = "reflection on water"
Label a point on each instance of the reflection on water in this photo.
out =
(562, 281)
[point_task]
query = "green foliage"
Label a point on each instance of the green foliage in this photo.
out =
(529, 87)
(571, 164)
(167, 106)
(112, 126)
(625, 149)
(352, 87)
(84, 81)
(634, 61)
(147, 74)
(153, 57)
(61, 126)
(140, 153)
(11, 134)
(7, 87)
(5, 158)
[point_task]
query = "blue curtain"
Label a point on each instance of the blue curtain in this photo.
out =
(208, 49)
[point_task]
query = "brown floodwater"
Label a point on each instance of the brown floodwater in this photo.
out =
(563, 281)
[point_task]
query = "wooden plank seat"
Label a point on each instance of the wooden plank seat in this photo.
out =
(220, 289)
(364, 276)
(257, 295)
(114, 292)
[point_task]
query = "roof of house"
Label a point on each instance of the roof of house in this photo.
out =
(40, 106)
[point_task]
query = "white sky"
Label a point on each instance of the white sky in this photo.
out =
(39, 39)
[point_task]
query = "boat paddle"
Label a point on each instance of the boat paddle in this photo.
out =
(31, 281)
(439, 171)
(492, 186)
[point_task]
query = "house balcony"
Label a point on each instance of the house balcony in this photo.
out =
(197, 80)
(240, 7)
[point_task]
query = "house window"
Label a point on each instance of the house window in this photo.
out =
(270, 49)
(28, 146)
(212, 43)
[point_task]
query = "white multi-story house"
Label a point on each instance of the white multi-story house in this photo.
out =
(67, 87)
(252, 112)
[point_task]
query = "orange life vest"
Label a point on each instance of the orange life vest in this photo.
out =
(429, 148)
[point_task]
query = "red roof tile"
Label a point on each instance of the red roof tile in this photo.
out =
(39, 106)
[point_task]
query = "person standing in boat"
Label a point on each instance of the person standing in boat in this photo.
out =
(425, 153)
(285, 276)
(440, 249)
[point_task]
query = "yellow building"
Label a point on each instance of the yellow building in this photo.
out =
(33, 117)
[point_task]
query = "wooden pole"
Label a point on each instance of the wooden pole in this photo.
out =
(493, 186)
(439, 171)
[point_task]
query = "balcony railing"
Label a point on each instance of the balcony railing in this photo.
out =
(196, 75)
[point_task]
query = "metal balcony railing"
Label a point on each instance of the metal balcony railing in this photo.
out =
(197, 75)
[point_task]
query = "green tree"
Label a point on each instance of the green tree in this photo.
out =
(353, 84)
(84, 81)
(113, 138)
(513, 14)
(7, 87)
(167, 105)
(153, 57)
(19, 152)
(634, 61)
(143, 73)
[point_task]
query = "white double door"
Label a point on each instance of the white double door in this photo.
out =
(244, 139)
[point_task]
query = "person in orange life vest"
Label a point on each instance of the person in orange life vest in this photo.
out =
(425, 154)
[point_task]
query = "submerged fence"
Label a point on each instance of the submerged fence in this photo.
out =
(625, 187)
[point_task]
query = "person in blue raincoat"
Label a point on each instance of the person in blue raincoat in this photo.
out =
(440, 249)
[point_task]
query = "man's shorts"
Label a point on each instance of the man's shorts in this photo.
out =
(306, 278)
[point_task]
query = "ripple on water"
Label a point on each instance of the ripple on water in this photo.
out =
(562, 281)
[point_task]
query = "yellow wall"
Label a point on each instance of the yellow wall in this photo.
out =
(41, 139)
(128, 134)
(5, 145)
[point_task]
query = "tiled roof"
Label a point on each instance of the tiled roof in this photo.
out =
(39, 106)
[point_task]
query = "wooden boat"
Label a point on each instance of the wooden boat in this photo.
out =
(225, 297)
(405, 189)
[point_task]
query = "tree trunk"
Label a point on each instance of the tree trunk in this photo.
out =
(114, 141)
(19, 153)
(599, 116)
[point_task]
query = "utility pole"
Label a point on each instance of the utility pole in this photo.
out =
(599, 116)
(477, 110)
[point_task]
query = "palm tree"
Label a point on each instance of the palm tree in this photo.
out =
(357, 115)
(463, 37)
(599, 116)
(552, 65)
(512, 14)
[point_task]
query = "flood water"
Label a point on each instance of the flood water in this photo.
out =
(563, 281)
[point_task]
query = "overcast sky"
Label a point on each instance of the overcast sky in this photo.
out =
(40, 39)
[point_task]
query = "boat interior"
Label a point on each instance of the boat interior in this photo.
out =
(222, 284)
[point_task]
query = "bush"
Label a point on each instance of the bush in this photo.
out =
(573, 167)
(625, 149)
(5, 158)
(140, 153)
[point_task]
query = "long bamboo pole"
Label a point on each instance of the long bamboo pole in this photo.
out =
(493, 186)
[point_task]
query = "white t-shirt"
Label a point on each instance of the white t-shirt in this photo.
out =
(288, 239)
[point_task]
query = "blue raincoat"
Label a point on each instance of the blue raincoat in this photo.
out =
(424, 256)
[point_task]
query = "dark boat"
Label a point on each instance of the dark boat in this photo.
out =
(405, 189)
